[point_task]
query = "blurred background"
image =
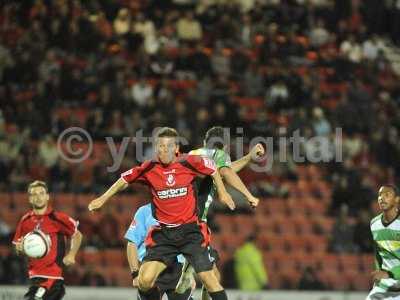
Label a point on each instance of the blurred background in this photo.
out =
(270, 67)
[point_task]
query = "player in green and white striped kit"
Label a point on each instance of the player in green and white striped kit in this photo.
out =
(214, 148)
(385, 229)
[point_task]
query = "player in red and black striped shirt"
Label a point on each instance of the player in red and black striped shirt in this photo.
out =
(45, 273)
(174, 201)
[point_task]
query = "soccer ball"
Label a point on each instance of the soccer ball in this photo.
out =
(36, 244)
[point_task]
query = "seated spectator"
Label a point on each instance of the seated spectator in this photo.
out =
(309, 281)
(146, 29)
(161, 65)
(220, 62)
(351, 49)
(5, 233)
(253, 82)
(362, 231)
(371, 47)
(342, 240)
(141, 92)
(320, 123)
(92, 278)
(188, 28)
(48, 152)
(122, 22)
(109, 230)
(319, 35)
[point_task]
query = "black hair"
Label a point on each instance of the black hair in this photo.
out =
(393, 187)
(216, 137)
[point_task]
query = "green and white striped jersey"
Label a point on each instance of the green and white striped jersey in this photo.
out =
(206, 188)
(387, 242)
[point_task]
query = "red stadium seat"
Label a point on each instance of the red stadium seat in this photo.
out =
(21, 202)
(115, 257)
(283, 261)
(271, 243)
(245, 223)
(328, 263)
(122, 276)
(329, 279)
(227, 226)
(296, 244)
(6, 200)
(5, 251)
(362, 282)
(350, 262)
(302, 224)
(90, 258)
(232, 242)
(317, 243)
(11, 217)
(289, 279)
(323, 224)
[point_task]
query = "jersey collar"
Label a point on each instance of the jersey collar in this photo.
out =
(386, 224)
(48, 211)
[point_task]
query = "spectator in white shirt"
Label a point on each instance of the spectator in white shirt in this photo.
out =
(141, 92)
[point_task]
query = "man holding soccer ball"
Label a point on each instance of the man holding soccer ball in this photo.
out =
(41, 235)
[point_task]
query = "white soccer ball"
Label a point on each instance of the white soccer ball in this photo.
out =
(36, 244)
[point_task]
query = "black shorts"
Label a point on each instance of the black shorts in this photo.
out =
(213, 254)
(37, 291)
(169, 278)
(192, 240)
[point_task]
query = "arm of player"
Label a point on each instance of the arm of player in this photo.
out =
(118, 186)
(76, 240)
(133, 260)
(256, 152)
(234, 180)
(378, 274)
(222, 193)
(18, 240)
(19, 250)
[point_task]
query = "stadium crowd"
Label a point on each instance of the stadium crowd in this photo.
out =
(270, 67)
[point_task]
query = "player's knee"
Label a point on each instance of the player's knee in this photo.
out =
(146, 281)
(210, 281)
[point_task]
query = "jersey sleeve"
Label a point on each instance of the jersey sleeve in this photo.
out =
(395, 272)
(18, 232)
(68, 225)
(201, 164)
(222, 159)
(136, 173)
(137, 231)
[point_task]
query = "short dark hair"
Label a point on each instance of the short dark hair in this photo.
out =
(393, 187)
(215, 138)
(167, 132)
(38, 183)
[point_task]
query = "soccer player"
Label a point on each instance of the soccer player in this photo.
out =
(47, 282)
(385, 229)
(136, 250)
(215, 146)
(174, 205)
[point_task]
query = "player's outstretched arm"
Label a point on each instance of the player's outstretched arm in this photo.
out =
(76, 240)
(222, 193)
(118, 186)
(256, 152)
(234, 180)
(133, 260)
